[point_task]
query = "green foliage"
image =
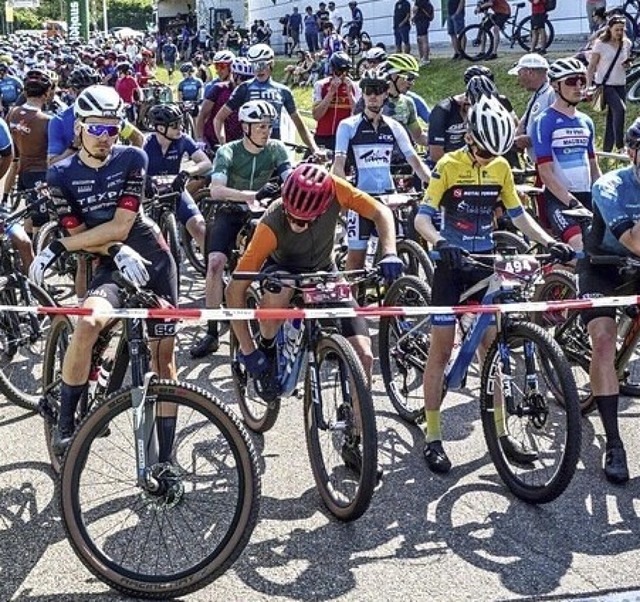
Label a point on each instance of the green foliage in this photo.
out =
(127, 13)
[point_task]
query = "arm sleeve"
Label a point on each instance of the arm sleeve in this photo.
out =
(350, 197)
(133, 188)
(343, 137)
(288, 101)
(69, 216)
(56, 144)
(5, 137)
(221, 164)
(237, 98)
(542, 140)
(437, 126)
(283, 162)
(402, 139)
(611, 203)
(189, 145)
(262, 245)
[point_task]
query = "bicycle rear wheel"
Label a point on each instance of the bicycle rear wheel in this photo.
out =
(404, 347)
(544, 419)
(180, 537)
(340, 428)
(258, 414)
(22, 341)
(475, 42)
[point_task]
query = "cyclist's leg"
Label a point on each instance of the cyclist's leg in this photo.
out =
(357, 333)
(190, 217)
(359, 230)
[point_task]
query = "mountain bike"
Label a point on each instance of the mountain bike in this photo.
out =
(476, 41)
(149, 528)
(539, 398)
(22, 334)
(340, 424)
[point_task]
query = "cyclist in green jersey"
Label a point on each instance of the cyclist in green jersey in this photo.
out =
(241, 174)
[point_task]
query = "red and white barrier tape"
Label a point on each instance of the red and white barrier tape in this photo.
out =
(330, 312)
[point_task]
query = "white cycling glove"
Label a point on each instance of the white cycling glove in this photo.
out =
(131, 264)
(43, 260)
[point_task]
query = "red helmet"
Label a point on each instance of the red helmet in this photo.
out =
(308, 191)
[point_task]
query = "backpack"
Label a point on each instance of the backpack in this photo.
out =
(550, 5)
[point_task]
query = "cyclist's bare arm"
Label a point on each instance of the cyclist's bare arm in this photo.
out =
(218, 123)
(221, 192)
(420, 169)
(426, 229)
(203, 116)
(202, 164)
(304, 132)
(98, 237)
(552, 183)
(436, 152)
(338, 166)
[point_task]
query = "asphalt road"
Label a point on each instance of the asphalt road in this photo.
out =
(458, 537)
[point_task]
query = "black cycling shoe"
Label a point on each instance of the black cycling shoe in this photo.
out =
(615, 465)
(352, 458)
(266, 385)
(209, 343)
(515, 452)
(436, 457)
(60, 439)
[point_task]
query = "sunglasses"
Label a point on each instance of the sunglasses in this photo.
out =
(301, 223)
(222, 65)
(261, 66)
(575, 80)
(377, 90)
(409, 78)
(99, 129)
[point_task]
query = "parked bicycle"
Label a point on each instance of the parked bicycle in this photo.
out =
(477, 41)
(339, 417)
(149, 528)
(539, 397)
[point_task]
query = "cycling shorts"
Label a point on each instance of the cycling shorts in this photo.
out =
(359, 230)
(163, 282)
(187, 208)
(222, 231)
(564, 226)
(348, 327)
(449, 285)
(28, 180)
(596, 281)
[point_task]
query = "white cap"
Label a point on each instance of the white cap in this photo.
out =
(529, 61)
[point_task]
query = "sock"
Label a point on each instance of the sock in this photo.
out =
(69, 397)
(267, 343)
(212, 328)
(432, 428)
(166, 429)
(608, 408)
(498, 418)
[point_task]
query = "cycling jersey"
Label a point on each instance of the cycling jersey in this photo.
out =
(447, 126)
(567, 142)
(540, 100)
(616, 209)
(10, 89)
(464, 195)
(339, 107)
(87, 196)
(167, 163)
(274, 93)
(219, 95)
(235, 167)
(422, 108)
(310, 250)
(370, 150)
(5, 139)
(190, 88)
(28, 126)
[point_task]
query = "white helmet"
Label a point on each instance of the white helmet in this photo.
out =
(259, 53)
(491, 126)
(566, 68)
(375, 54)
(98, 101)
(223, 56)
(256, 111)
(242, 66)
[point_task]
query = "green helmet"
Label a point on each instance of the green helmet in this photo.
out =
(402, 63)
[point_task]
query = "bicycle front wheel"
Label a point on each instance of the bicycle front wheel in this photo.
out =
(340, 427)
(543, 420)
(170, 232)
(404, 347)
(22, 340)
(176, 538)
(475, 42)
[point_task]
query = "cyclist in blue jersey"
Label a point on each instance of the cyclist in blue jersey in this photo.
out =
(461, 198)
(366, 142)
(615, 231)
(262, 87)
(10, 88)
(166, 148)
(563, 142)
(97, 193)
(190, 88)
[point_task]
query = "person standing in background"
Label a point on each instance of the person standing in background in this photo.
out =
(592, 5)
(402, 25)
(335, 17)
(322, 15)
(610, 55)
(423, 13)
(311, 29)
(455, 24)
(295, 27)
(538, 20)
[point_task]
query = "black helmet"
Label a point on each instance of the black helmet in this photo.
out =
(632, 137)
(83, 77)
(340, 61)
(475, 70)
(187, 67)
(479, 86)
(37, 82)
(164, 115)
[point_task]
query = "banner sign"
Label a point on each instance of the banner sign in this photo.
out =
(78, 20)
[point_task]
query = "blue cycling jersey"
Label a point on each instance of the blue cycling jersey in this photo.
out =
(61, 132)
(616, 209)
(190, 88)
(421, 106)
(168, 163)
(5, 135)
(10, 89)
(370, 150)
(209, 86)
(87, 196)
(274, 93)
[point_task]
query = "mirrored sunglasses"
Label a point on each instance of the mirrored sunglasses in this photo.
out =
(100, 129)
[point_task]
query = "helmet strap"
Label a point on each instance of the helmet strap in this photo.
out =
(561, 95)
(393, 81)
(164, 134)
(248, 136)
(101, 160)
